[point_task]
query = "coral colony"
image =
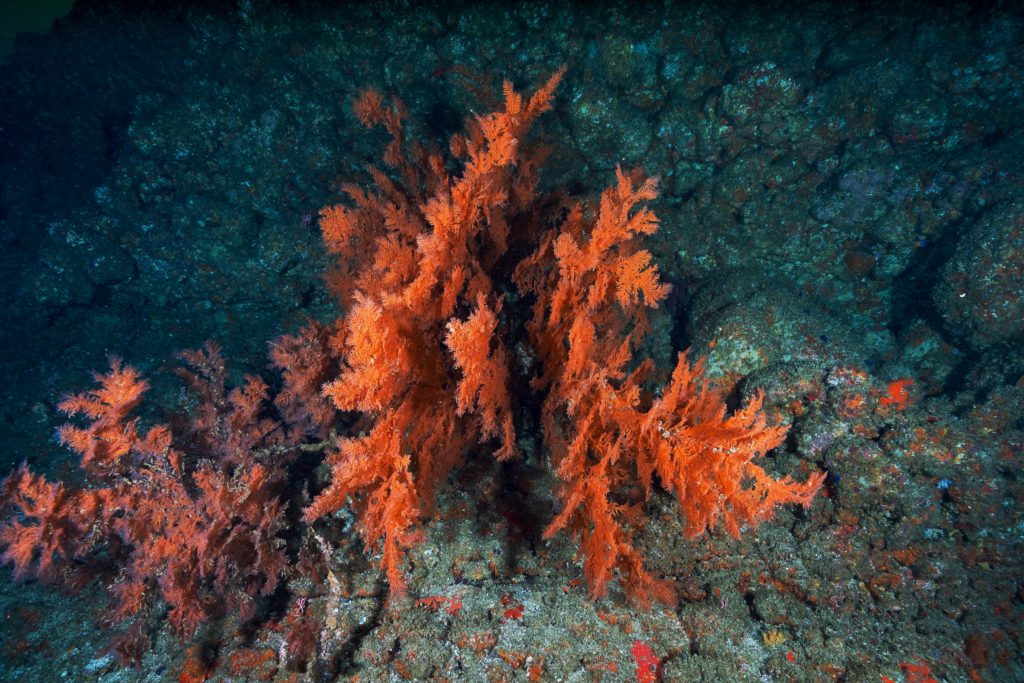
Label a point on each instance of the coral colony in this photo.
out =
(467, 297)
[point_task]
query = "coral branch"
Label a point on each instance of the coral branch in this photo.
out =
(484, 383)
(432, 241)
(197, 528)
(417, 264)
(604, 430)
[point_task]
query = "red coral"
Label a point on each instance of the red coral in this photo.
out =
(648, 666)
(47, 531)
(897, 393)
(604, 430)
(109, 437)
(417, 262)
(307, 360)
(433, 243)
(197, 528)
(484, 383)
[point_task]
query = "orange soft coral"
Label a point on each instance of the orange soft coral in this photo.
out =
(605, 431)
(191, 518)
(110, 435)
(484, 383)
(48, 531)
(413, 259)
(419, 271)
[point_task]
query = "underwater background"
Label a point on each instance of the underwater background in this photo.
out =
(842, 221)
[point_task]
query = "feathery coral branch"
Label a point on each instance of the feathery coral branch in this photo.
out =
(420, 334)
(433, 240)
(604, 430)
(198, 529)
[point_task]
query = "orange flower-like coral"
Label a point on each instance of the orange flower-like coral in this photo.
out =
(607, 433)
(412, 259)
(424, 360)
(191, 519)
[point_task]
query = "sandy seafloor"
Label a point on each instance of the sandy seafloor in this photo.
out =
(842, 217)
